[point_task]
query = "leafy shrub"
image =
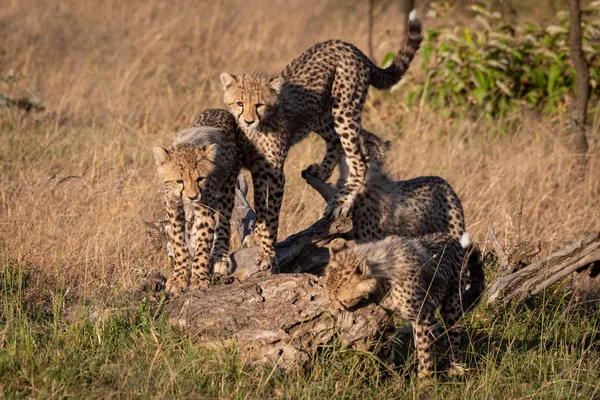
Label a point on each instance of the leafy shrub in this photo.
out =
(499, 66)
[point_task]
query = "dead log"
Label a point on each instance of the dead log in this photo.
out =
(276, 320)
(539, 275)
(300, 252)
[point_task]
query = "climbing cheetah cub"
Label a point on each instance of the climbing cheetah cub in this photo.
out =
(411, 278)
(385, 206)
(201, 166)
(323, 91)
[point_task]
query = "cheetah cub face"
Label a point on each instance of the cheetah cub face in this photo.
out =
(348, 278)
(184, 170)
(251, 97)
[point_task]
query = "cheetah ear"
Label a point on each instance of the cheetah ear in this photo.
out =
(276, 84)
(161, 155)
(210, 152)
(388, 145)
(336, 246)
(227, 80)
(363, 269)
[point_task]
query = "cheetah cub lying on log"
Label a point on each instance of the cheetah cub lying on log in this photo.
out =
(324, 91)
(201, 166)
(411, 278)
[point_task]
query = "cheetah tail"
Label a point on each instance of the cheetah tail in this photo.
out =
(386, 78)
(472, 296)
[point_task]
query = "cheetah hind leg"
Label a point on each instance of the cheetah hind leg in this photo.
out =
(349, 89)
(324, 170)
(220, 261)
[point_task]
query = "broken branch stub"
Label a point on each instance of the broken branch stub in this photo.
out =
(540, 274)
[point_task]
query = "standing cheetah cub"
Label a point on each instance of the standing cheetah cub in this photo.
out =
(410, 278)
(324, 91)
(201, 166)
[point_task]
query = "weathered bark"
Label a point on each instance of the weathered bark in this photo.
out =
(276, 320)
(243, 217)
(300, 252)
(326, 190)
(540, 274)
(578, 112)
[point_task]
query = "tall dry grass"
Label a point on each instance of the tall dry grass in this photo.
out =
(119, 77)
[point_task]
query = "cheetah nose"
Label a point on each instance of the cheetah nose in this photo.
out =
(194, 197)
(249, 122)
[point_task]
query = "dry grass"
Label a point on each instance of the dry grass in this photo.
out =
(120, 77)
(78, 180)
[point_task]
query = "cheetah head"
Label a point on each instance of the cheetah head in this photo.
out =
(251, 97)
(374, 148)
(348, 278)
(185, 169)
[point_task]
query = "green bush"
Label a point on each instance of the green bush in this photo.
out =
(498, 66)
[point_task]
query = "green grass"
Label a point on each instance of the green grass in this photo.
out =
(539, 350)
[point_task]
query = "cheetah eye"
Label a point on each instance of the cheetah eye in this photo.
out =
(240, 104)
(200, 179)
(259, 105)
(180, 181)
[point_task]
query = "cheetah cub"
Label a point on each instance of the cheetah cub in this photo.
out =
(408, 277)
(385, 206)
(324, 91)
(201, 166)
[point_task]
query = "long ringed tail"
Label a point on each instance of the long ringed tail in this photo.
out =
(385, 78)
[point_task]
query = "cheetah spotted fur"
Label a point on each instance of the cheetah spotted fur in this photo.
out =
(323, 91)
(408, 277)
(200, 167)
(412, 207)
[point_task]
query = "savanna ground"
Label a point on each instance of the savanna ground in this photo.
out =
(78, 180)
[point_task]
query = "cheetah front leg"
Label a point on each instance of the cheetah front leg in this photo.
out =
(268, 195)
(220, 258)
(179, 279)
(424, 328)
(204, 216)
(451, 313)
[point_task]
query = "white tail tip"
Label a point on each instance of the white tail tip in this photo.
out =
(413, 15)
(465, 240)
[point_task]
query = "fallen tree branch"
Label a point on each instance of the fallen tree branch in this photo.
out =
(540, 274)
(276, 320)
(326, 190)
(505, 266)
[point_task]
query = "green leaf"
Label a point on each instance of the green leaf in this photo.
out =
(427, 51)
(387, 60)
(552, 77)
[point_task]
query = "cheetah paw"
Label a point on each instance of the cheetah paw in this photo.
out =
(198, 283)
(176, 286)
(339, 206)
(318, 171)
(222, 266)
(267, 262)
(457, 369)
